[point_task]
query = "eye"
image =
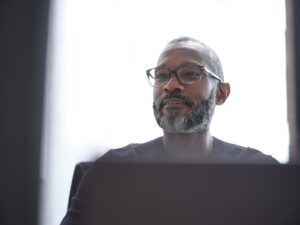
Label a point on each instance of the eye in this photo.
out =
(190, 75)
(161, 74)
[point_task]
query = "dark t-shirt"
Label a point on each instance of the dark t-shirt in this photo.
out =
(153, 151)
(81, 209)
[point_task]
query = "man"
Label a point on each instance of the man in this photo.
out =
(188, 83)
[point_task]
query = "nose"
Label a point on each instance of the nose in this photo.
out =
(173, 85)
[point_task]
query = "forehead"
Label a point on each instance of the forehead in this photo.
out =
(179, 53)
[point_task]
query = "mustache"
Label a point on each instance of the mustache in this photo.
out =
(163, 100)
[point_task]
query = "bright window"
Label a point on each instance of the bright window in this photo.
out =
(98, 96)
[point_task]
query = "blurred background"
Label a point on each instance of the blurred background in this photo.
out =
(73, 84)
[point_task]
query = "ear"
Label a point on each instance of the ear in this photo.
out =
(222, 93)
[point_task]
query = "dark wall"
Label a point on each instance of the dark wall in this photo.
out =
(23, 35)
(296, 21)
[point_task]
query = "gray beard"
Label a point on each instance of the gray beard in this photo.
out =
(197, 120)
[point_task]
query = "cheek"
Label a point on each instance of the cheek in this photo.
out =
(201, 93)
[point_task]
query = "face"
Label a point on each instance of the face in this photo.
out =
(181, 108)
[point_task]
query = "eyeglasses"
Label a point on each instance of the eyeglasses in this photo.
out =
(185, 74)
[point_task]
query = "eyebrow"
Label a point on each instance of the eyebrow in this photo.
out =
(184, 64)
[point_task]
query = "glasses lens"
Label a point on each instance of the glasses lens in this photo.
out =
(159, 76)
(190, 74)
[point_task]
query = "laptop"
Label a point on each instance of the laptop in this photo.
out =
(206, 194)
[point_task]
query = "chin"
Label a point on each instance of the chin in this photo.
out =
(175, 111)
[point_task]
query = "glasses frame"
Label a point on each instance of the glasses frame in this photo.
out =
(174, 71)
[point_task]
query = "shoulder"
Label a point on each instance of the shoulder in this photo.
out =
(238, 154)
(134, 152)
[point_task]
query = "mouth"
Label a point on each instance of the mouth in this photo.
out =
(175, 102)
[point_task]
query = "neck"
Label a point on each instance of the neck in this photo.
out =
(188, 146)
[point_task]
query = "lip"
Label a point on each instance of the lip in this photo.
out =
(173, 102)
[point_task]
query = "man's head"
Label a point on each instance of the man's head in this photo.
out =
(188, 85)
